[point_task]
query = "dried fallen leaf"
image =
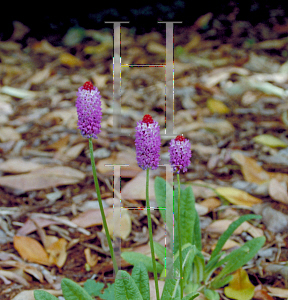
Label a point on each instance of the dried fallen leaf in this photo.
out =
(18, 165)
(91, 217)
(123, 229)
(17, 92)
(261, 294)
(91, 259)
(269, 140)
(252, 172)
(217, 106)
(14, 276)
(43, 178)
(29, 226)
(211, 203)
(240, 287)
(73, 152)
(24, 266)
(219, 226)
(29, 295)
(129, 191)
(31, 250)
(70, 60)
(277, 191)
(123, 157)
(9, 134)
(228, 245)
(57, 252)
(238, 197)
(278, 292)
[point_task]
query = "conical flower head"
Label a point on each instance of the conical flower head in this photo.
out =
(88, 106)
(180, 153)
(147, 142)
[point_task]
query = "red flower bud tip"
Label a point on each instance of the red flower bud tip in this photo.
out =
(88, 86)
(148, 119)
(180, 138)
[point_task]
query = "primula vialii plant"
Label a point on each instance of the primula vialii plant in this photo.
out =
(189, 263)
(180, 154)
(147, 142)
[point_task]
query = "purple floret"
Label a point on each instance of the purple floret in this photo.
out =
(180, 154)
(88, 106)
(148, 142)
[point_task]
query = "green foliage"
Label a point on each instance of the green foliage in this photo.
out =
(191, 296)
(141, 278)
(72, 291)
(195, 270)
(211, 295)
(236, 259)
(108, 292)
(43, 295)
(196, 275)
(92, 287)
(171, 289)
(160, 194)
(187, 218)
(160, 251)
(134, 258)
(126, 288)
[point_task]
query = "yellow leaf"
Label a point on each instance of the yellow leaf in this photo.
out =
(31, 250)
(217, 106)
(240, 287)
(57, 252)
(238, 197)
(97, 49)
(269, 140)
(121, 230)
(70, 60)
(251, 171)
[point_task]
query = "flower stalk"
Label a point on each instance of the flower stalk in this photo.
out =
(101, 206)
(180, 154)
(89, 113)
(151, 235)
(147, 142)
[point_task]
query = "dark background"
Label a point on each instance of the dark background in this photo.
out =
(48, 19)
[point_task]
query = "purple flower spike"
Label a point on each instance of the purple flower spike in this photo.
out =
(147, 142)
(180, 153)
(88, 106)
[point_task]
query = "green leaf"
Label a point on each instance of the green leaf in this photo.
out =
(160, 195)
(72, 291)
(196, 238)
(237, 258)
(210, 267)
(125, 287)
(108, 292)
(171, 290)
(211, 295)
(240, 287)
(160, 251)
(134, 258)
(92, 287)
(141, 278)
(43, 295)
(198, 268)
(187, 217)
(188, 254)
(191, 296)
(228, 232)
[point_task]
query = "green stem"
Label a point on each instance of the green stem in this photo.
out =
(179, 237)
(101, 205)
(151, 235)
